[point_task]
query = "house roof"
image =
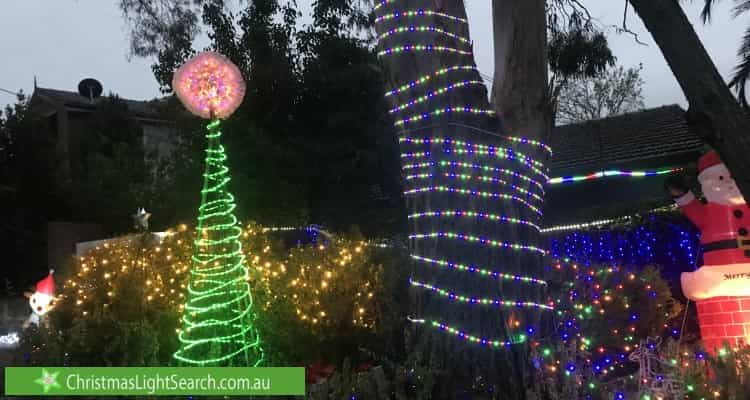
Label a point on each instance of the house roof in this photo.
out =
(145, 109)
(605, 143)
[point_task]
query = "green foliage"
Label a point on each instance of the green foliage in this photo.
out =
(30, 191)
(579, 53)
(723, 377)
(314, 119)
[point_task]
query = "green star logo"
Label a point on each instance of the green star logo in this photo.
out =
(48, 380)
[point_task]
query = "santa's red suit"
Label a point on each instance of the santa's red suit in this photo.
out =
(721, 287)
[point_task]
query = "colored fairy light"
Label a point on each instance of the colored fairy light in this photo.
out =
(480, 271)
(611, 173)
(480, 167)
(474, 193)
(500, 154)
(217, 322)
(426, 162)
(433, 93)
(491, 179)
(209, 85)
(426, 78)
(382, 3)
(473, 214)
(454, 146)
(417, 13)
(475, 339)
(473, 147)
(422, 29)
(441, 111)
(429, 48)
(485, 179)
(477, 300)
(523, 140)
(577, 226)
(478, 239)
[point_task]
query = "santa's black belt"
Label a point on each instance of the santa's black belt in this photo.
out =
(728, 244)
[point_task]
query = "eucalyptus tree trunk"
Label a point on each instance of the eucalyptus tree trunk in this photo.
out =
(473, 198)
(714, 112)
(519, 90)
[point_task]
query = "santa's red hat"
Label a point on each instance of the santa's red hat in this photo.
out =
(708, 160)
(47, 285)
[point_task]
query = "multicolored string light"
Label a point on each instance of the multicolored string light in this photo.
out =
(479, 270)
(475, 193)
(433, 93)
(473, 214)
(486, 179)
(468, 337)
(477, 300)
(425, 78)
(523, 140)
(491, 179)
(487, 168)
(611, 173)
(430, 153)
(411, 48)
(441, 111)
(417, 13)
(501, 155)
(422, 29)
(382, 3)
(474, 148)
(218, 320)
(478, 239)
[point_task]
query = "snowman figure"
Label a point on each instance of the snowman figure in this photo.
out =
(721, 286)
(42, 300)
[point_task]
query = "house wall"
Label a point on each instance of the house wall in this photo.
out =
(62, 238)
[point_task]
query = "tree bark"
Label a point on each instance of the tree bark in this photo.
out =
(519, 90)
(714, 112)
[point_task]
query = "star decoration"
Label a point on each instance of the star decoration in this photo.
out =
(48, 380)
(141, 219)
(209, 85)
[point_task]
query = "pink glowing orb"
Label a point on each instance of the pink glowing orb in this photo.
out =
(209, 85)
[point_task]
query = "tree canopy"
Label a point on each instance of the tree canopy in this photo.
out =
(616, 91)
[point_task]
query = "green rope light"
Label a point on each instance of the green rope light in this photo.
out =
(218, 320)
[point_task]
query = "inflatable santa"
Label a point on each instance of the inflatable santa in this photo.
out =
(41, 300)
(721, 286)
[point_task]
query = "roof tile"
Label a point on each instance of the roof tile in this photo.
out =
(656, 132)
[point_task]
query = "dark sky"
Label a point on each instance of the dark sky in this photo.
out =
(62, 41)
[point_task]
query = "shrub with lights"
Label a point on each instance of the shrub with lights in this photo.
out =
(118, 306)
(122, 302)
(604, 315)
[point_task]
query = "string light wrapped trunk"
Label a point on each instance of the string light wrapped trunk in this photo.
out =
(474, 197)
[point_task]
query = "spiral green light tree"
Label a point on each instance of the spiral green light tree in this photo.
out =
(218, 316)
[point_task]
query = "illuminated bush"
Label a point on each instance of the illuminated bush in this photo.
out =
(120, 304)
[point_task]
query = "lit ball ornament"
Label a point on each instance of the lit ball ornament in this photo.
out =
(209, 85)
